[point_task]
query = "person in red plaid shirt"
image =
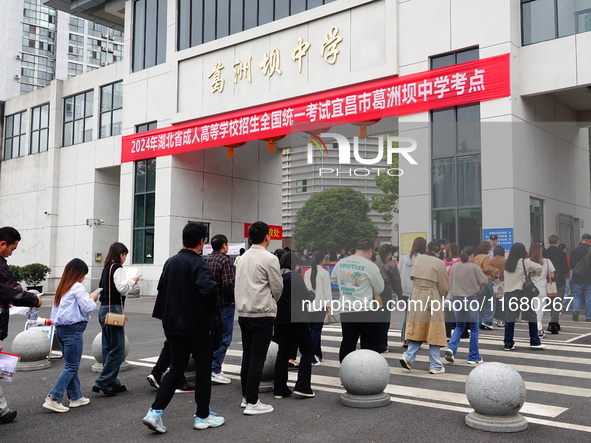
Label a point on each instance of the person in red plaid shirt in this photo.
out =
(222, 270)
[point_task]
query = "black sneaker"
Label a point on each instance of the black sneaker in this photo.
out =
(8, 417)
(154, 381)
(575, 315)
(185, 389)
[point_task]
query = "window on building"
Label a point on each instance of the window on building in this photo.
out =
(543, 20)
(146, 127)
(14, 135)
(75, 69)
(78, 112)
(456, 182)
(144, 205)
(536, 219)
(40, 129)
(77, 24)
(149, 33)
(111, 109)
(201, 21)
(302, 185)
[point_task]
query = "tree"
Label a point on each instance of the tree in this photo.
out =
(333, 219)
(387, 203)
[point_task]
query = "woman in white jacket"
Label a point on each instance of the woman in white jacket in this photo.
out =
(318, 280)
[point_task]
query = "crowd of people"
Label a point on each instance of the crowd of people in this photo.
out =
(446, 294)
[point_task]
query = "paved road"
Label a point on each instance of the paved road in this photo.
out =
(424, 407)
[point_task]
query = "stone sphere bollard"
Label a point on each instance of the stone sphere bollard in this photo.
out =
(97, 352)
(268, 376)
(365, 374)
(496, 391)
(33, 347)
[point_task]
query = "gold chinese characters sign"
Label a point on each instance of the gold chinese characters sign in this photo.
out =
(271, 62)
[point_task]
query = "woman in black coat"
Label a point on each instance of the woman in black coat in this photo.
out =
(292, 329)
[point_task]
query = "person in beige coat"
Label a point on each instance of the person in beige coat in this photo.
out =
(425, 320)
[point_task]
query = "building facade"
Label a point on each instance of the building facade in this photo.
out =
(490, 101)
(41, 44)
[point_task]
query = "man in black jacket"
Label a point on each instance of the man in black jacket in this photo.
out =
(187, 304)
(558, 259)
(11, 293)
(581, 284)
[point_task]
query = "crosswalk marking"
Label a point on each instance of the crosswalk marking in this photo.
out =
(455, 400)
(535, 355)
(578, 337)
(460, 378)
(420, 393)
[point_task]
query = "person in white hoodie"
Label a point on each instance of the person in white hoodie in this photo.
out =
(419, 247)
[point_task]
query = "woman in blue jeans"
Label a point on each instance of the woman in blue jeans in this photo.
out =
(466, 280)
(116, 285)
(70, 314)
(516, 268)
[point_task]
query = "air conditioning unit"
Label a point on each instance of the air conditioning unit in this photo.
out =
(103, 63)
(111, 37)
(110, 49)
(17, 77)
(103, 49)
(105, 36)
(18, 56)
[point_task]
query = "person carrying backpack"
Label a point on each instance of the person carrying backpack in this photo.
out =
(581, 281)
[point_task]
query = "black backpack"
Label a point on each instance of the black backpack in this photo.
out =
(582, 268)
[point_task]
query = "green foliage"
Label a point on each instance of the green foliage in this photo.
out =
(387, 203)
(34, 273)
(333, 219)
(15, 271)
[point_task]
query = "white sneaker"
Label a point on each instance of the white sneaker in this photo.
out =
(54, 405)
(243, 404)
(257, 408)
(213, 421)
(220, 378)
(79, 402)
(449, 355)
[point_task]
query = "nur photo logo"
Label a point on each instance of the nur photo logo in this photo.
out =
(386, 145)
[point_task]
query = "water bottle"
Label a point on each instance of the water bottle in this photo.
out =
(33, 314)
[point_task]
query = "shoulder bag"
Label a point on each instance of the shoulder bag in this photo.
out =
(529, 287)
(112, 318)
(582, 268)
(551, 289)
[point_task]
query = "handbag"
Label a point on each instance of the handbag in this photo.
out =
(112, 318)
(582, 267)
(529, 287)
(551, 289)
(498, 288)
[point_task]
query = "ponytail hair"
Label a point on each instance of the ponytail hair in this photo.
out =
(466, 253)
(317, 258)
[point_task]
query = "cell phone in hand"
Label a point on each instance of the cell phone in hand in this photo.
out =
(97, 291)
(140, 276)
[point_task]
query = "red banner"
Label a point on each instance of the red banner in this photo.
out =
(275, 232)
(469, 82)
